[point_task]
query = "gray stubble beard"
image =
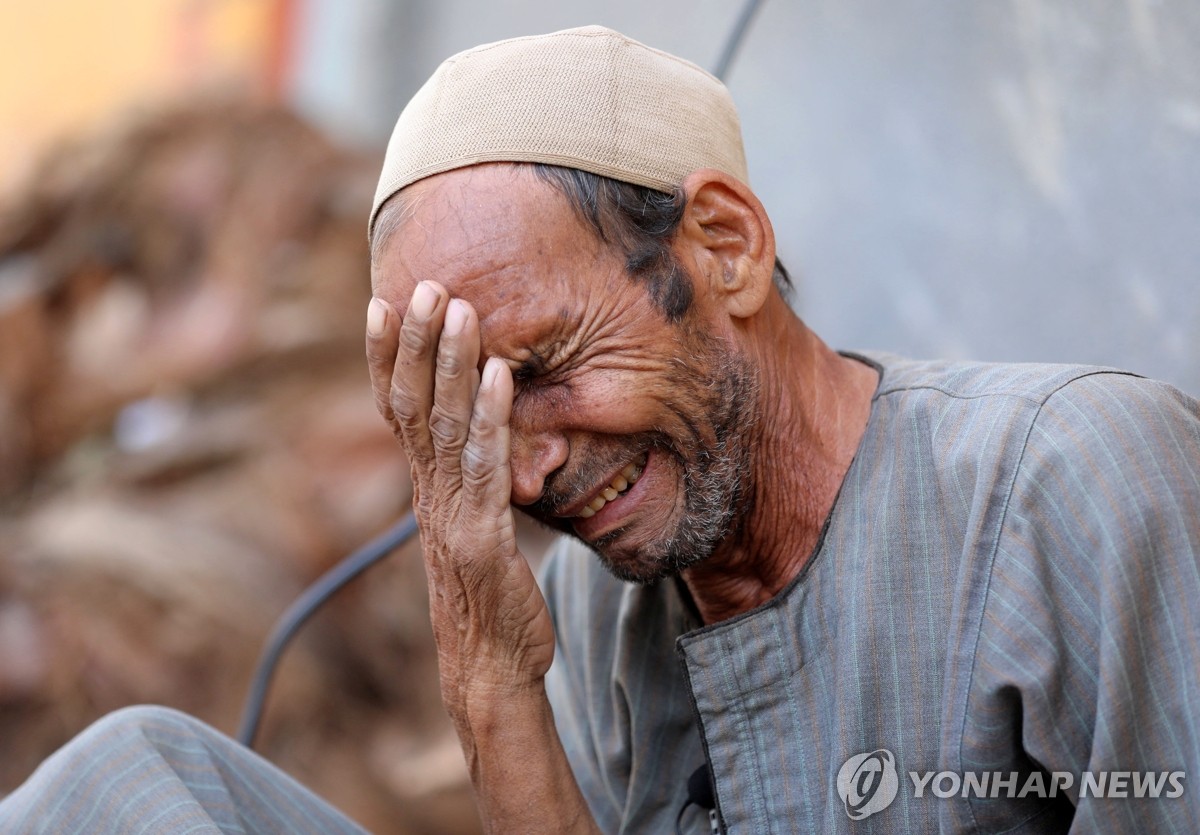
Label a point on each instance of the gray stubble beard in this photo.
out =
(717, 477)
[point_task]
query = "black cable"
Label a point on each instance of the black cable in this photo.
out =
(736, 35)
(679, 818)
(300, 611)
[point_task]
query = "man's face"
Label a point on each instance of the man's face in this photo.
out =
(628, 431)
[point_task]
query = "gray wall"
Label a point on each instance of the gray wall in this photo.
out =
(1011, 180)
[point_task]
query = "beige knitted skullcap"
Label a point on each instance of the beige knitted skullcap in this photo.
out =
(587, 98)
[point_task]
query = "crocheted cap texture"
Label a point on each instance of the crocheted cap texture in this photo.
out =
(587, 98)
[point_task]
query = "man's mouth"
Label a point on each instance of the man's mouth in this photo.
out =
(620, 483)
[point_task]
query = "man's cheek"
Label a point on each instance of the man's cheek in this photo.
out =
(613, 404)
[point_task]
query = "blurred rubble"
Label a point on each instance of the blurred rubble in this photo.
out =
(187, 439)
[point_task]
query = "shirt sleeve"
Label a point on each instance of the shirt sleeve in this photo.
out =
(1089, 648)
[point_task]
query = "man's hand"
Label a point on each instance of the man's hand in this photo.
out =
(494, 636)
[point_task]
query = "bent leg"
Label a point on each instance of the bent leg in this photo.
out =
(151, 770)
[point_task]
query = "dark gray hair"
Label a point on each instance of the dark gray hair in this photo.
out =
(641, 222)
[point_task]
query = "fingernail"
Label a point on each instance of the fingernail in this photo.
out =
(490, 369)
(456, 318)
(376, 317)
(424, 300)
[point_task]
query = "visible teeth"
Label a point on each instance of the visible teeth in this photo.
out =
(633, 472)
(620, 483)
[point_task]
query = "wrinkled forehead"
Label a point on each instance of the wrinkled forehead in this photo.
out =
(477, 229)
(471, 198)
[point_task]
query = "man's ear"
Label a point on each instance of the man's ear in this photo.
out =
(731, 240)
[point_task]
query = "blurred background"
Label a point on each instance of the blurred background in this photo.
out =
(186, 432)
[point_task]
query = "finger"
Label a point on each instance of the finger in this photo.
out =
(411, 396)
(454, 387)
(382, 327)
(486, 473)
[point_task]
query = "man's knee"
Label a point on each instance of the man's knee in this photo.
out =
(99, 764)
(150, 723)
(137, 717)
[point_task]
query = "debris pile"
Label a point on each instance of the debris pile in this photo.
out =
(187, 439)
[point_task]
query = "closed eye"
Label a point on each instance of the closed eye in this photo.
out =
(534, 369)
(529, 370)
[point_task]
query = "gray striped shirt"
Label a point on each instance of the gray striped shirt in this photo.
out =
(1008, 582)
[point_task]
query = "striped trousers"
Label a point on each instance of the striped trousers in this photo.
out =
(156, 770)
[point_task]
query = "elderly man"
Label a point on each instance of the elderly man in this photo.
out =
(838, 584)
(812, 591)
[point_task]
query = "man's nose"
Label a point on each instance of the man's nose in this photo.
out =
(534, 457)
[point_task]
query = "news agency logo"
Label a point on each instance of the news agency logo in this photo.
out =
(867, 783)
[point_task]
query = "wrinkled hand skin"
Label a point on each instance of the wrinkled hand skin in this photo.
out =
(493, 632)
